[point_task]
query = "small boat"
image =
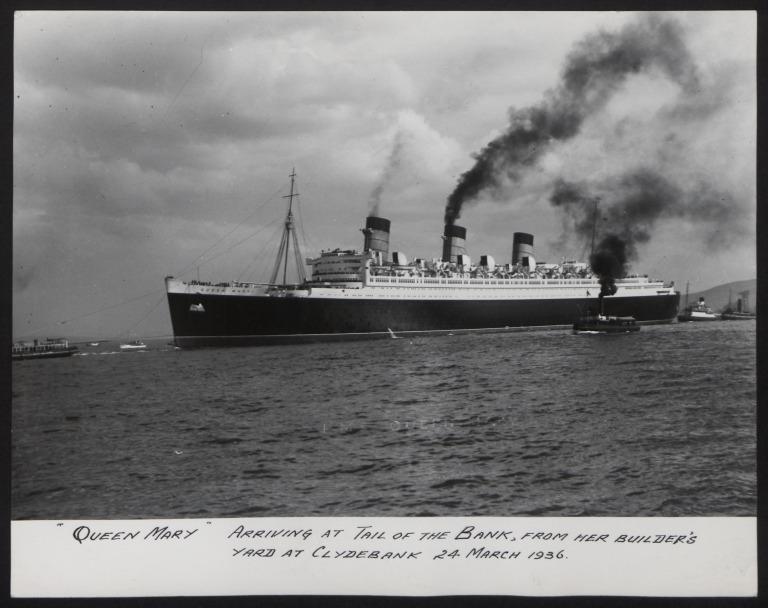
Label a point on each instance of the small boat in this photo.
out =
(134, 345)
(698, 312)
(742, 309)
(42, 349)
(602, 324)
(392, 334)
(93, 343)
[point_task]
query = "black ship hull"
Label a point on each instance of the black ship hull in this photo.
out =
(252, 320)
(606, 325)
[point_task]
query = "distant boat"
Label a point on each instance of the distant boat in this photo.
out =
(93, 343)
(134, 345)
(42, 349)
(601, 324)
(742, 309)
(392, 334)
(698, 312)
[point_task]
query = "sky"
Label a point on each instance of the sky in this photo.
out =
(149, 144)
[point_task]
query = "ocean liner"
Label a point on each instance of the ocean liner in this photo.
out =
(371, 293)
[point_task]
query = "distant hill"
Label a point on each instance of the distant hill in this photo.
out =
(717, 297)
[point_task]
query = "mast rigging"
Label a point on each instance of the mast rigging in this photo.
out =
(288, 238)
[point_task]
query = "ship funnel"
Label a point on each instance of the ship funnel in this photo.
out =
(487, 262)
(454, 239)
(522, 248)
(399, 259)
(376, 233)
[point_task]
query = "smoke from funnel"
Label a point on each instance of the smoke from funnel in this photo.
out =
(630, 205)
(593, 72)
(609, 262)
(393, 162)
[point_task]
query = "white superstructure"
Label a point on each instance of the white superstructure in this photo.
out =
(351, 274)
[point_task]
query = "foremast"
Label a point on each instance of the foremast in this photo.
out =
(288, 238)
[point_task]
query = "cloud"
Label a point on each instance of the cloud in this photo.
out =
(142, 138)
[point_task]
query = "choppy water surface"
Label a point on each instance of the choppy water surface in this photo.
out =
(527, 423)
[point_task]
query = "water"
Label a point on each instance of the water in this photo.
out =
(528, 423)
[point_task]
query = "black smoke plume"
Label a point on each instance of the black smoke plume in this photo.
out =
(629, 206)
(593, 72)
(393, 162)
(578, 202)
(609, 262)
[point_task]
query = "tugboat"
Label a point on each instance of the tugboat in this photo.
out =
(601, 324)
(42, 349)
(604, 324)
(698, 312)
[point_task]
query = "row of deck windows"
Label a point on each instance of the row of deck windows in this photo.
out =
(430, 281)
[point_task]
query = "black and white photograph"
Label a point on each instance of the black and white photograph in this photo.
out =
(362, 264)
